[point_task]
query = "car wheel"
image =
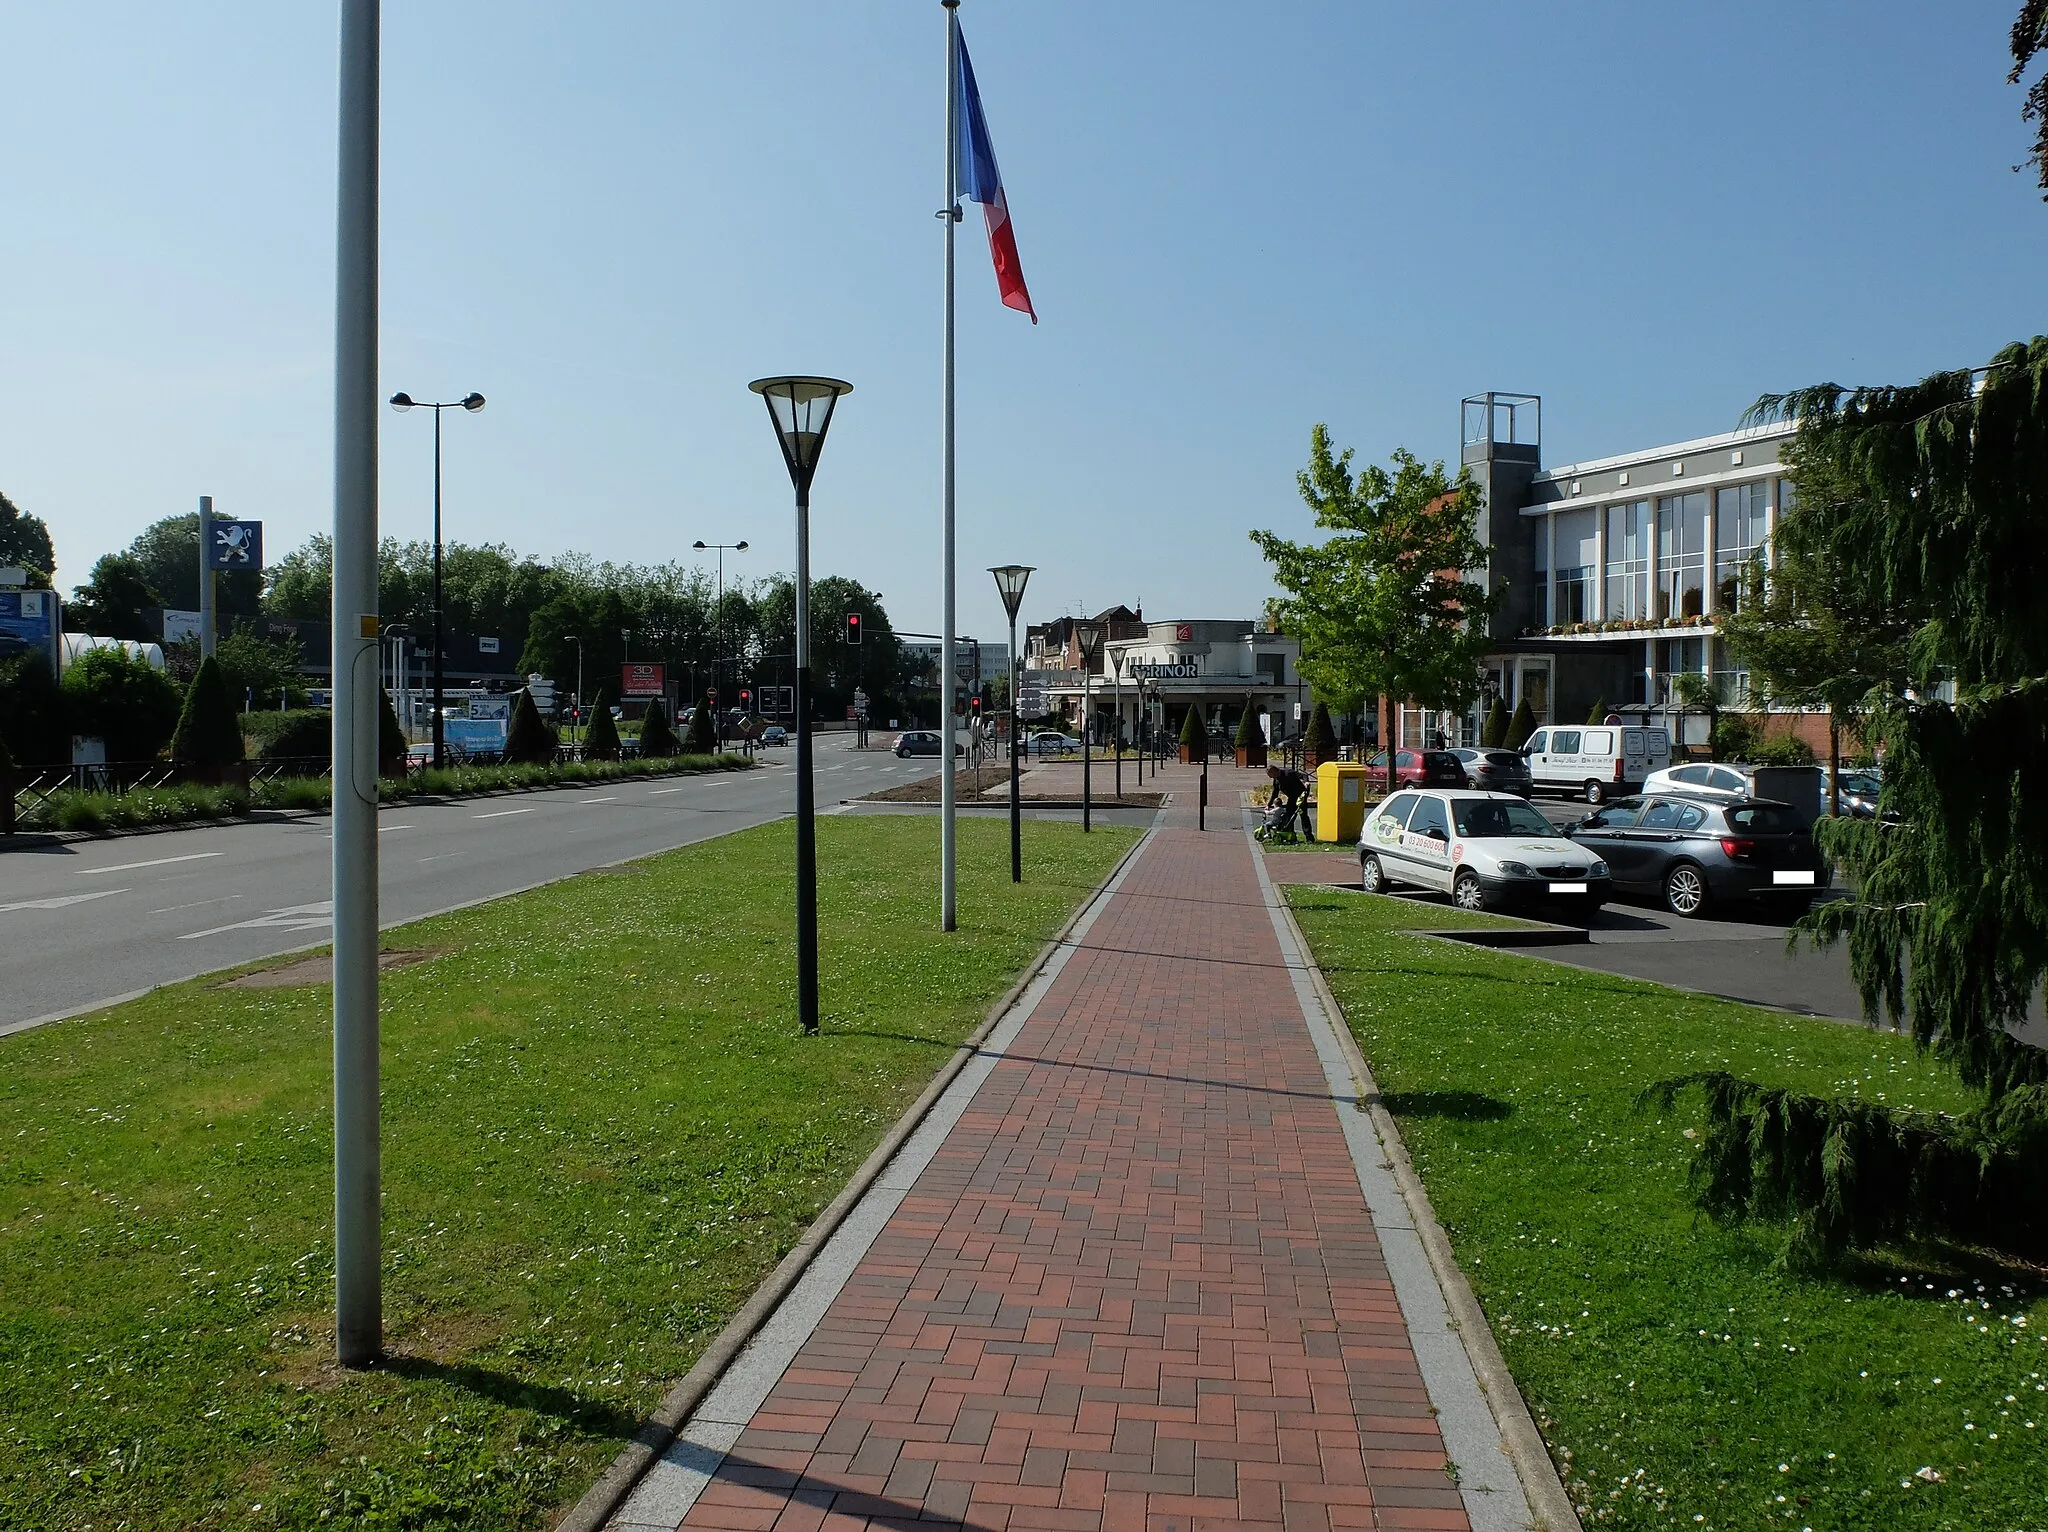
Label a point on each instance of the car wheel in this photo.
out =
(1685, 890)
(1372, 877)
(1596, 792)
(1466, 893)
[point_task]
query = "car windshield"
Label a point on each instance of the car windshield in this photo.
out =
(1496, 819)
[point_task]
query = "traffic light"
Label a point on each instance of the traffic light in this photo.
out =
(853, 628)
(746, 700)
(974, 707)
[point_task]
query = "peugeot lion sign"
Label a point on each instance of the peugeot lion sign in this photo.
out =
(235, 545)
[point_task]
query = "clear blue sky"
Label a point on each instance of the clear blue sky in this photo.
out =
(1236, 221)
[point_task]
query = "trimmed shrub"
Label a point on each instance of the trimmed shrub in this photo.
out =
(702, 738)
(1785, 750)
(601, 735)
(1494, 733)
(390, 738)
(1598, 712)
(528, 739)
(1194, 739)
(1248, 733)
(303, 734)
(1322, 739)
(209, 736)
(125, 702)
(32, 712)
(1735, 737)
(657, 739)
(1521, 726)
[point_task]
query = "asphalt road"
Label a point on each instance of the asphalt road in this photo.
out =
(87, 922)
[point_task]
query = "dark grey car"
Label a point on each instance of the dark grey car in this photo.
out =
(1691, 852)
(1495, 770)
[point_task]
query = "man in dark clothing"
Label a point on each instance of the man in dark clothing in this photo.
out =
(1289, 785)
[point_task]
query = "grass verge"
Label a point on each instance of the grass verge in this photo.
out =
(1681, 1377)
(601, 1129)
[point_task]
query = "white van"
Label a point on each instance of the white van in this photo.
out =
(1595, 761)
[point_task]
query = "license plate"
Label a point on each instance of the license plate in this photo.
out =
(1567, 888)
(1802, 878)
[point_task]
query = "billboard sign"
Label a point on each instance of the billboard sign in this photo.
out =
(475, 735)
(499, 708)
(28, 621)
(180, 627)
(778, 700)
(235, 545)
(637, 679)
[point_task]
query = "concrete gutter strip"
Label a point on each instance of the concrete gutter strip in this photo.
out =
(1550, 1507)
(659, 1432)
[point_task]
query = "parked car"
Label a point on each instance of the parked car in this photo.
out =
(1799, 786)
(1417, 768)
(1595, 761)
(917, 742)
(1496, 770)
(1486, 850)
(1051, 742)
(775, 734)
(1860, 788)
(1690, 851)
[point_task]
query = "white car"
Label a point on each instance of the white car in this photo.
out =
(1486, 850)
(1799, 786)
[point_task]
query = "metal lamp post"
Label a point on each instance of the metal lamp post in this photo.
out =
(1088, 635)
(801, 409)
(1010, 582)
(1116, 665)
(472, 402)
(718, 622)
(580, 729)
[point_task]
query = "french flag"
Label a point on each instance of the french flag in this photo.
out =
(978, 179)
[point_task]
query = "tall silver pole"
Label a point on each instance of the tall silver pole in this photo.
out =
(358, 1295)
(206, 618)
(947, 673)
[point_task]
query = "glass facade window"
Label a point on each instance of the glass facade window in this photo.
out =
(1739, 526)
(1577, 554)
(1628, 561)
(1681, 556)
(1543, 572)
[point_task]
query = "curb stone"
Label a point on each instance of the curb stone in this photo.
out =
(1549, 1504)
(659, 1431)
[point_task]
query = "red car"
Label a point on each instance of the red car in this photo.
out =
(1417, 768)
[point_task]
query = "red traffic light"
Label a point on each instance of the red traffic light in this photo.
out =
(974, 706)
(745, 697)
(853, 627)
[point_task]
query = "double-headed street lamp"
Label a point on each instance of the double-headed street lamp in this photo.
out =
(402, 402)
(1088, 635)
(718, 620)
(1010, 582)
(1116, 664)
(801, 409)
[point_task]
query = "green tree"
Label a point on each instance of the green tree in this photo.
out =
(2029, 41)
(256, 667)
(301, 584)
(25, 541)
(528, 738)
(1494, 732)
(208, 738)
(1194, 737)
(1521, 726)
(1382, 608)
(1945, 512)
(122, 700)
(33, 720)
(115, 602)
(601, 734)
(656, 737)
(837, 667)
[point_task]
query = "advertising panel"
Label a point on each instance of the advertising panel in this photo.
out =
(637, 679)
(28, 621)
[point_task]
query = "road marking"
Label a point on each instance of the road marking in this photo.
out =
(162, 861)
(387, 829)
(501, 813)
(59, 901)
(613, 799)
(660, 790)
(295, 917)
(195, 904)
(440, 856)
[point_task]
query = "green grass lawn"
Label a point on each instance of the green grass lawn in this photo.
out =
(1680, 1376)
(601, 1129)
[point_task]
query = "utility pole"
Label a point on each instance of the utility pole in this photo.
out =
(206, 586)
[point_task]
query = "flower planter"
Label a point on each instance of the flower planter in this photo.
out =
(1251, 755)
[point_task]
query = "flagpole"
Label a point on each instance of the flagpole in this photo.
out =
(947, 672)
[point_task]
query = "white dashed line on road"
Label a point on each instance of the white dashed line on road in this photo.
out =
(162, 861)
(195, 904)
(57, 902)
(500, 813)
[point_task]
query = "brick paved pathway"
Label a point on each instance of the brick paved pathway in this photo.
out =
(1138, 1286)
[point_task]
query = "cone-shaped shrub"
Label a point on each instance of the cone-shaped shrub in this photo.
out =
(1598, 712)
(656, 737)
(1193, 737)
(1521, 726)
(1248, 728)
(390, 739)
(1322, 739)
(702, 738)
(601, 735)
(1494, 733)
(528, 738)
(209, 734)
